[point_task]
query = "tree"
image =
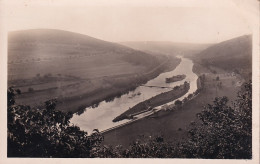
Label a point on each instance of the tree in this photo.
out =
(46, 132)
(186, 84)
(223, 131)
(185, 100)
(190, 96)
(203, 77)
(18, 91)
(178, 102)
(11, 93)
(219, 84)
(30, 89)
(236, 71)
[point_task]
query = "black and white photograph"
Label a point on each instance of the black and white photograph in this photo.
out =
(159, 80)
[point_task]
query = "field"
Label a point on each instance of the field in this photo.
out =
(74, 83)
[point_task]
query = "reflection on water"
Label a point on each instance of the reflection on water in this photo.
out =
(101, 117)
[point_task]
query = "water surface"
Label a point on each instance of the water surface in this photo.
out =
(101, 117)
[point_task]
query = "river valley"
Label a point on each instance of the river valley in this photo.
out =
(101, 117)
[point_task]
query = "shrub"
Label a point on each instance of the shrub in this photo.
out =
(223, 131)
(30, 89)
(46, 132)
(178, 102)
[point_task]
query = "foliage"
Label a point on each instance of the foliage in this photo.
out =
(45, 132)
(178, 102)
(141, 148)
(223, 131)
(190, 96)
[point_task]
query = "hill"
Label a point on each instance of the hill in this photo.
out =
(77, 69)
(169, 48)
(231, 55)
(37, 46)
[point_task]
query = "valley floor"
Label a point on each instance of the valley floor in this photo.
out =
(74, 93)
(173, 125)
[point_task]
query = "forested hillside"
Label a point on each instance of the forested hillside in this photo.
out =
(231, 55)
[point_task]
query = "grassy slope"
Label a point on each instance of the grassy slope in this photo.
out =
(77, 69)
(230, 55)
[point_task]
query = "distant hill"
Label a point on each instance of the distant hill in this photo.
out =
(77, 69)
(233, 54)
(41, 45)
(169, 48)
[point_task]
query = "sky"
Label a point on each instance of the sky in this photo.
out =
(193, 21)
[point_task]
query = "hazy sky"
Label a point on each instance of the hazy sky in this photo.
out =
(136, 20)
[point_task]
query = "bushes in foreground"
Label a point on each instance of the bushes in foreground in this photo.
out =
(46, 132)
(221, 131)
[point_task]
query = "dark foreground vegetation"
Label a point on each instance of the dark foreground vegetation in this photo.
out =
(221, 131)
(45, 132)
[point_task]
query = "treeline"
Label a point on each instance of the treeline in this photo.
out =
(220, 131)
(154, 101)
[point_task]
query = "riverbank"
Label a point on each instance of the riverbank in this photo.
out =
(173, 125)
(75, 93)
(157, 100)
(120, 86)
(101, 116)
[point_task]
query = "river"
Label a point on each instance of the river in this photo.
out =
(101, 117)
